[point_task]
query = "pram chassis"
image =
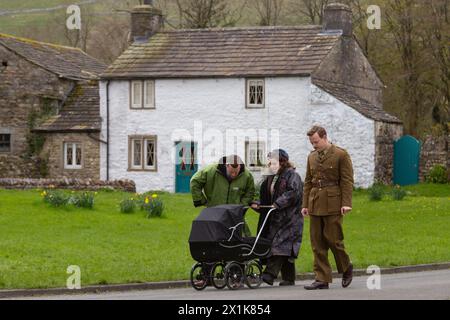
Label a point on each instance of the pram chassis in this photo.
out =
(231, 274)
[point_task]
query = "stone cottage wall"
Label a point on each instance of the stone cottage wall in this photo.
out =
(385, 135)
(70, 184)
(24, 87)
(53, 152)
(434, 151)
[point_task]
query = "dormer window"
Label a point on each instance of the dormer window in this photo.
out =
(142, 94)
(255, 93)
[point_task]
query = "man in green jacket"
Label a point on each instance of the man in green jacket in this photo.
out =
(228, 182)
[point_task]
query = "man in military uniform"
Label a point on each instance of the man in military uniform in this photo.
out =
(327, 197)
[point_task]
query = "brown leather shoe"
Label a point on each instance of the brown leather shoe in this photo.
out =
(317, 285)
(347, 277)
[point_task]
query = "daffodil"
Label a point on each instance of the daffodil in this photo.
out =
(147, 200)
(154, 196)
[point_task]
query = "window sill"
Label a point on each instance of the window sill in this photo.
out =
(142, 170)
(255, 107)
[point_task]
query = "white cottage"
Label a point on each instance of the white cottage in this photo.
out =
(175, 101)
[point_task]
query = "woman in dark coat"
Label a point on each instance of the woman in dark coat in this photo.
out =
(283, 190)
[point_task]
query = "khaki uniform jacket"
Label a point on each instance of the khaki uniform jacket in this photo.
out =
(335, 167)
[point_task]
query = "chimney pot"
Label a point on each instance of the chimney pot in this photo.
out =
(338, 16)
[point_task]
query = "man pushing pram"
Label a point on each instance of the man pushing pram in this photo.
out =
(282, 190)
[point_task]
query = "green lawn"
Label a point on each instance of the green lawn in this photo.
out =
(38, 243)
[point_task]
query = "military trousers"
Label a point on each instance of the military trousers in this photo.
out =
(326, 233)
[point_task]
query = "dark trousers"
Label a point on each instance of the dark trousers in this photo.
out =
(326, 233)
(275, 264)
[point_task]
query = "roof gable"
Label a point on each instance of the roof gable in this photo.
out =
(67, 62)
(227, 52)
(80, 112)
(344, 94)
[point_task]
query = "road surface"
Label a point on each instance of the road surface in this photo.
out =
(419, 285)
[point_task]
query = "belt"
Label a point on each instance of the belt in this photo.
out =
(324, 183)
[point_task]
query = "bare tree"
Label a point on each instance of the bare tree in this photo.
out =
(312, 9)
(401, 21)
(199, 14)
(435, 36)
(269, 11)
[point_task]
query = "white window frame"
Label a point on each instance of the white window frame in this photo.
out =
(145, 99)
(133, 103)
(255, 145)
(149, 104)
(132, 163)
(146, 140)
(74, 164)
(143, 153)
(255, 82)
(10, 143)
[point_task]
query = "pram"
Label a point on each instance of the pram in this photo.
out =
(224, 257)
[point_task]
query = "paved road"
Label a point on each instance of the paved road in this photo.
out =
(418, 285)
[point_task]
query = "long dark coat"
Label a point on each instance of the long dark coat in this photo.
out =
(284, 225)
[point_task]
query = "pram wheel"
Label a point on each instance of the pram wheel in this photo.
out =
(199, 279)
(218, 275)
(234, 276)
(253, 274)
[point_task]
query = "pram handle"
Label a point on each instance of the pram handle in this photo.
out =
(262, 207)
(260, 230)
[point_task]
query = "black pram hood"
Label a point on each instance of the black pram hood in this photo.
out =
(220, 223)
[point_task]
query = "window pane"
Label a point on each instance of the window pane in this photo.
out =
(256, 92)
(137, 145)
(252, 97)
(69, 154)
(150, 156)
(137, 95)
(252, 157)
(260, 94)
(5, 142)
(148, 94)
(78, 155)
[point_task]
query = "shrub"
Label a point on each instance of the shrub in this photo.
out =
(127, 205)
(437, 174)
(376, 192)
(84, 200)
(153, 206)
(398, 193)
(55, 198)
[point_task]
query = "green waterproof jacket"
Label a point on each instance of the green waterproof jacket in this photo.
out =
(211, 187)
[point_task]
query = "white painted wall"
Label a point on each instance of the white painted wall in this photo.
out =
(293, 105)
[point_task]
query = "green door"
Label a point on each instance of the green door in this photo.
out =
(185, 165)
(406, 161)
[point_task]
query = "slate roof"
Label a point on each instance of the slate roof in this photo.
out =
(226, 52)
(345, 94)
(67, 62)
(80, 112)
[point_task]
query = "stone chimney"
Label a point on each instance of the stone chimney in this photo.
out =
(146, 20)
(338, 16)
